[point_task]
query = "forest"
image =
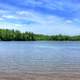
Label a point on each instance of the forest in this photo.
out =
(15, 35)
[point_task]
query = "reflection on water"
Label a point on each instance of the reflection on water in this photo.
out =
(40, 56)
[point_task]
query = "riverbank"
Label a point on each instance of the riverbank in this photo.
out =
(37, 76)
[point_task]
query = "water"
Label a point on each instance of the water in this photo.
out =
(39, 56)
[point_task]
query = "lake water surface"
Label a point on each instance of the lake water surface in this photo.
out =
(40, 56)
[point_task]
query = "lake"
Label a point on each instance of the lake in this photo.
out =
(40, 56)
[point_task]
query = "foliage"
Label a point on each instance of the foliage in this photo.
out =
(15, 35)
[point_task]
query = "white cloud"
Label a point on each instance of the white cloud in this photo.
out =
(9, 16)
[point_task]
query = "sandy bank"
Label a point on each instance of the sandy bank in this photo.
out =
(37, 76)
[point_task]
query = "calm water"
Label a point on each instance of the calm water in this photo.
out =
(40, 56)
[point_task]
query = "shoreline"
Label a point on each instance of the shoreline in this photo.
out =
(37, 76)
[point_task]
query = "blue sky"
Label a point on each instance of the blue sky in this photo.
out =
(41, 16)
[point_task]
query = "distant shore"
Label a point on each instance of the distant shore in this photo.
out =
(15, 35)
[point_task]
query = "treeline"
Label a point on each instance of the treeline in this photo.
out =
(15, 35)
(12, 35)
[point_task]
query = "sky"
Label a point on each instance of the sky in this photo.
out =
(41, 16)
